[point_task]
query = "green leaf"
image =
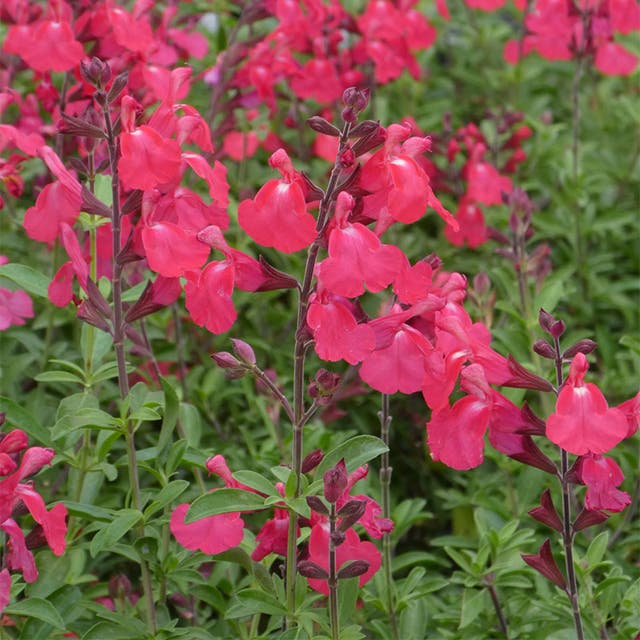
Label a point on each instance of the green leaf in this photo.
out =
(223, 501)
(108, 536)
(170, 417)
(29, 279)
(166, 496)
(355, 451)
(472, 606)
(88, 511)
(256, 481)
(59, 376)
(253, 601)
(597, 548)
(20, 418)
(37, 608)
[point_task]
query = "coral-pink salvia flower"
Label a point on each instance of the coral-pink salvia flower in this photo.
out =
(583, 422)
(277, 216)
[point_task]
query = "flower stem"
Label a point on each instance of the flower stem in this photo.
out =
(299, 412)
(567, 529)
(119, 346)
(502, 621)
(385, 486)
(334, 619)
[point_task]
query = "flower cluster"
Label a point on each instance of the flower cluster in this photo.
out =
(17, 462)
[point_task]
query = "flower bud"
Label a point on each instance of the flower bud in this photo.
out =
(582, 346)
(356, 98)
(524, 379)
(544, 563)
(323, 386)
(337, 537)
(243, 351)
(351, 513)
(310, 569)
(589, 518)
(544, 349)
(119, 587)
(312, 460)
(96, 72)
(353, 569)
(546, 512)
(315, 504)
(234, 368)
(323, 126)
(335, 482)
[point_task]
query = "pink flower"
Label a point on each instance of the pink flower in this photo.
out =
(211, 535)
(14, 492)
(148, 159)
(357, 258)
(336, 333)
(15, 308)
(46, 45)
(277, 216)
(59, 202)
(583, 422)
(602, 476)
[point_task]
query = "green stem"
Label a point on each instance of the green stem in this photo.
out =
(385, 485)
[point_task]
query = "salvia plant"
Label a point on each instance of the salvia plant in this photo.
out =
(275, 273)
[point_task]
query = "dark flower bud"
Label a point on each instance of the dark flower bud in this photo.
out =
(3, 417)
(337, 537)
(353, 569)
(544, 563)
(96, 72)
(118, 85)
(234, 368)
(481, 283)
(243, 351)
(98, 300)
(349, 114)
(545, 320)
(312, 192)
(546, 512)
(582, 346)
(88, 312)
(557, 328)
(79, 127)
(315, 504)
(434, 261)
(310, 569)
(356, 98)
(119, 587)
(589, 518)
(524, 379)
(365, 128)
(101, 98)
(351, 513)
(369, 141)
(35, 538)
(312, 460)
(274, 278)
(335, 482)
(544, 349)
(323, 126)
(323, 386)
(91, 204)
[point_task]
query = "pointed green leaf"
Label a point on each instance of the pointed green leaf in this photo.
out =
(223, 501)
(355, 451)
(36, 608)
